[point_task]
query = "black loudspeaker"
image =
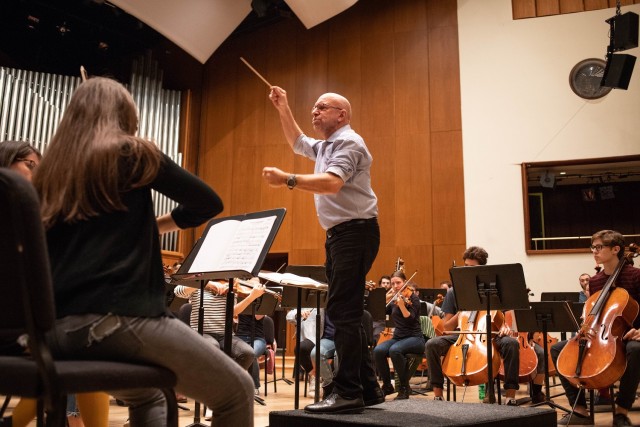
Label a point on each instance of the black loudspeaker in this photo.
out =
(625, 31)
(618, 70)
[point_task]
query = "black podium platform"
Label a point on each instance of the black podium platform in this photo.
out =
(420, 413)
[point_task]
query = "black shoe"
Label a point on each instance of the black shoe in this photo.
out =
(374, 397)
(336, 404)
(403, 393)
(388, 389)
(620, 420)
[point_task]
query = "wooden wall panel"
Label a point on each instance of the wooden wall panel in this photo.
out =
(413, 191)
(534, 8)
(597, 4)
(547, 7)
(444, 79)
(570, 6)
(523, 8)
(443, 257)
(447, 181)
(397, 62)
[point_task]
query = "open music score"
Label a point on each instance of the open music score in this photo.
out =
(232, 247)
(245, 240)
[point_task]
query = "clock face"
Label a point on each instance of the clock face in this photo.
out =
(585, 78)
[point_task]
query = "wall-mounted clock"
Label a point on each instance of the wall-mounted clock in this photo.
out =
(585, 78)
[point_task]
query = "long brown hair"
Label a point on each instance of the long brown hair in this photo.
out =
(94, 155)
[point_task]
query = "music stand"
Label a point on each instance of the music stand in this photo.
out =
(489, 287)
(313, 297)
(548, 316)
(430, 294)
(230, 247)
(375, 304)
(560, 296)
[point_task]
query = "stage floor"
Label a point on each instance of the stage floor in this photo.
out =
(422, 412)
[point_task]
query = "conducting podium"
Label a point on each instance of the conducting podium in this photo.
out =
(303, 287)
(488, 287)
(230, 247)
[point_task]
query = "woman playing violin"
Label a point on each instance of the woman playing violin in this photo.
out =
(407, 336)
(437, 347)
(608, 249)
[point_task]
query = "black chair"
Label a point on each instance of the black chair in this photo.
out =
(184, 313)
(28, 307)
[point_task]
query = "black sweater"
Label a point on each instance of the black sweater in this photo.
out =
(112, 263)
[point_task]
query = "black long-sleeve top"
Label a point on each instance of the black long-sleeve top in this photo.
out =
(406, 326)
(112, 263)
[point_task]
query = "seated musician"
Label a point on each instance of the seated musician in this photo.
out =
(215, 303)
(407, 337)
(608, 248)
(437, 347)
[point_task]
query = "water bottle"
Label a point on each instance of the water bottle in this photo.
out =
(481, 392)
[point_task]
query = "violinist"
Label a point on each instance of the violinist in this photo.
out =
(608, 249)
(407, 336)
(215, 303)
(437, 347)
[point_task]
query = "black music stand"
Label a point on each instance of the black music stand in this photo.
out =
(230, 247)
(298, 296)
(490, 287)
(375, 304)
(548, 316)
(560, 296)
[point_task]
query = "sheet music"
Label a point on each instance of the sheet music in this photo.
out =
(292, 279)
(233, 245)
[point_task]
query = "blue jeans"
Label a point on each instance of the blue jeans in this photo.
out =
(397, 351)
(327, 351)
(351, 249)
(259, 348)
(204, 372)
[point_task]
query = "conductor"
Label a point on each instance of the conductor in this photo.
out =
(347, 209)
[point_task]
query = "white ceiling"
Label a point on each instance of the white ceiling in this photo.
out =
(200, 26)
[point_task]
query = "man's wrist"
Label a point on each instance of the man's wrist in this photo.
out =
(291, 181)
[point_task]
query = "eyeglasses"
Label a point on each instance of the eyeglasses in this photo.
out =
(323, 107)
(597, 248)
(30, 163)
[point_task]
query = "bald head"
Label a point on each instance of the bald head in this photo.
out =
(337, 100)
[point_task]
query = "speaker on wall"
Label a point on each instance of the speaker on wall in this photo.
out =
(617, 73)
(625, 31)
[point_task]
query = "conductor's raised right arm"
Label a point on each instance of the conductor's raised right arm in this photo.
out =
(292, 131)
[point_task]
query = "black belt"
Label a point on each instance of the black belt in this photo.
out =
(344, 225)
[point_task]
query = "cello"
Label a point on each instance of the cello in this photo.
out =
(595, 358)
(528, 360)
(466, 361)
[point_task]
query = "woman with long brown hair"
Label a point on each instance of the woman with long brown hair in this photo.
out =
(95, 187)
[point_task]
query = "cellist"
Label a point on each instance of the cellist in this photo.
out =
(608, 249)
(437, 347)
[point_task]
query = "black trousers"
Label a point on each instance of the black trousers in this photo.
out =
(351, 248)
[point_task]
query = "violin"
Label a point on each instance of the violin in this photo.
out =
(466, 361)
(404, 292)
(528, 360)
(244, 287)
(595, 358)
